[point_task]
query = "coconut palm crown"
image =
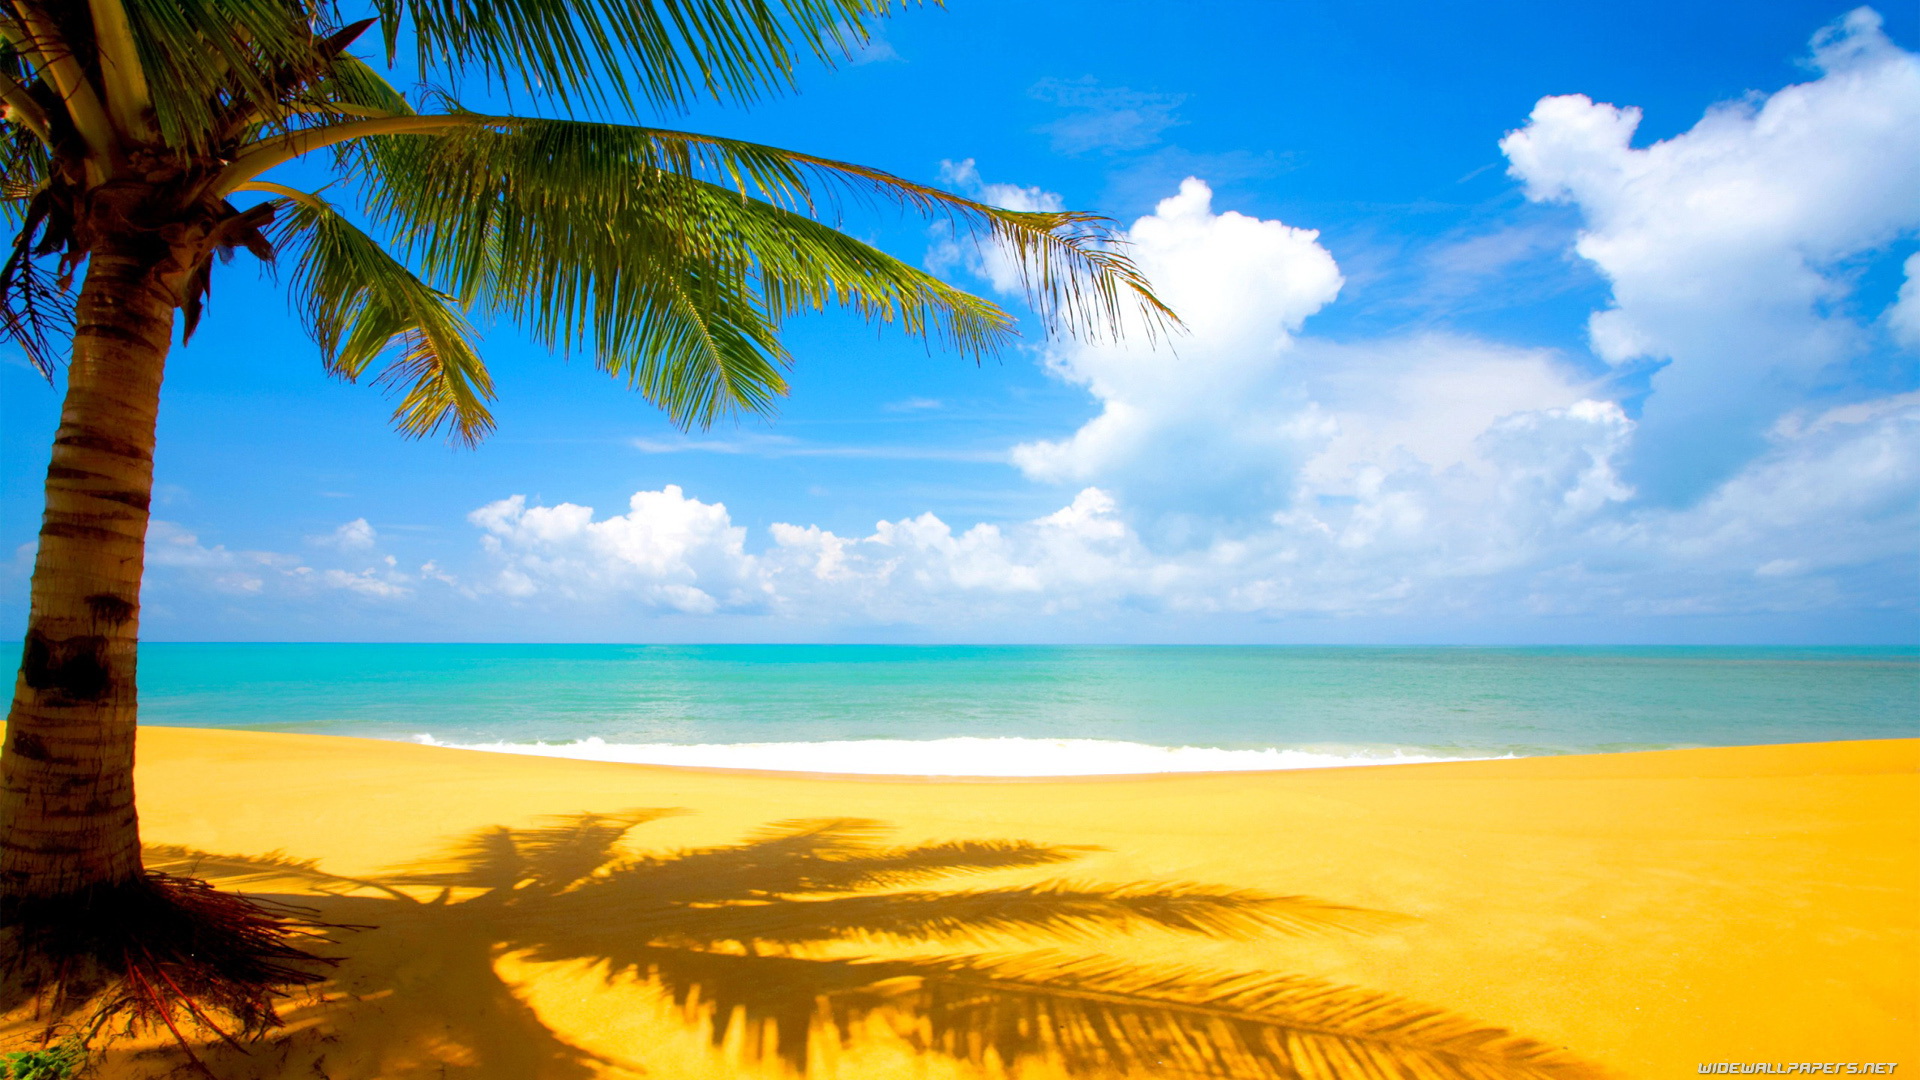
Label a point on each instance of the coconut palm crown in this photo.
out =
(146, 139)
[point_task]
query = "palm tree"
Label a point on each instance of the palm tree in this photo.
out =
(142, 139)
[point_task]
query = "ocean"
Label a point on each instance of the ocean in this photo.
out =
(1036, 710)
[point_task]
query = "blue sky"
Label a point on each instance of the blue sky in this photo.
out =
(1510, 323)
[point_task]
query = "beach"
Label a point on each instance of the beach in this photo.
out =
(1282, 542)
(1648, 912)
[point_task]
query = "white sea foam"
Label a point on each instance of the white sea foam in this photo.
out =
(963, 756)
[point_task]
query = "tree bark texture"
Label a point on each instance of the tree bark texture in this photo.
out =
(67, 820)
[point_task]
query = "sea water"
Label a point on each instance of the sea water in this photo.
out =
(1036, 710)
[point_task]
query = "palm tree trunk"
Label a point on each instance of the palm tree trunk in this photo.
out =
(67, 821)
(80, 919)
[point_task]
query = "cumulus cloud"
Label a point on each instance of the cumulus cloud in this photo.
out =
(667, 551)
(355, 535)
(1823, 519)
(1175, 419)
(1543, 525)
(674, 553)
(1242, 417)
(1078, 556)
(1722, 244)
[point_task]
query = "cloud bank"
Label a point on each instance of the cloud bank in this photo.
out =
(1726, 245)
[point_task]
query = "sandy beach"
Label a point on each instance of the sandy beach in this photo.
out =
(1648, 912)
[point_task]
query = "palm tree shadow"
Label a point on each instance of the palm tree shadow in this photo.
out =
(758, 943)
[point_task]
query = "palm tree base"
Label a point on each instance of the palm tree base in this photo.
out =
(157, 951)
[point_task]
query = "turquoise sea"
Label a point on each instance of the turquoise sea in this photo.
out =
(1036, 710)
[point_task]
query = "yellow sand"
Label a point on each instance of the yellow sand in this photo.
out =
(1648, 911)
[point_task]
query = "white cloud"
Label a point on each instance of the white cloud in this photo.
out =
(175, 557)
(676, 553)
(367, 582)
(908, 569)
(355, 535)
(1823, 519)
(1903, 317)
(1540, 525)
(1721, 243)
(964, 176)
(1836, 491)
(667, 551)
(1241, 417)
(171, 547)
(1199, 409)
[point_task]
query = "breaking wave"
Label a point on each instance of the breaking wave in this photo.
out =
(968, 756)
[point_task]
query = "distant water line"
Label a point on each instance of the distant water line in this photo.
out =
(1037, 710)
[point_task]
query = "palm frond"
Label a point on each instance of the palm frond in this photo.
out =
(37, 305)
(205, 60)
(667, 53)
(22, 110)
(360, 303)
(57, 44)
(25, 165)
(697, 344)
(803, 265)
(1071, 262)
(351, 81)
(676, 257)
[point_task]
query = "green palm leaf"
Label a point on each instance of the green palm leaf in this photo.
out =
(675, 257)
(204, 62)
(360, 304)
(25, 160)
(664, 52)
(442, 192)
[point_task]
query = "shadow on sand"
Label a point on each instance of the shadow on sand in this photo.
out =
(759, 945)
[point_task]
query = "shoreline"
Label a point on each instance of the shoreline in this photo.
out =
(1648, 910)
(1231, 760)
